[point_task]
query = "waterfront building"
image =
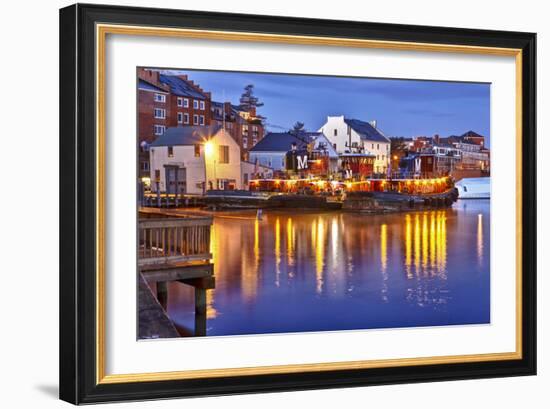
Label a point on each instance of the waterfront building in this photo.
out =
(355, 136)
(296, 152)
(194, 159)
(244, 125)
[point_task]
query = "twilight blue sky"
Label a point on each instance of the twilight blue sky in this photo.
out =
(401, 107)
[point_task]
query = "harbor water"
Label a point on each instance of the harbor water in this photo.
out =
(297, 270)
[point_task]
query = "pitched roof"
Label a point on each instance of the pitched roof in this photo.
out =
(472, 134)
(278, 142)
(181, 87)
(149, 87)
(186, 135)
(366, 130)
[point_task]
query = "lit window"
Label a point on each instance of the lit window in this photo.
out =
(160, 113)
(160, 98)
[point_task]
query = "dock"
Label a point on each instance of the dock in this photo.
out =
(174, 249)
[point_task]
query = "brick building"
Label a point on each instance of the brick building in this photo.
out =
(245, 126)
(166, 101)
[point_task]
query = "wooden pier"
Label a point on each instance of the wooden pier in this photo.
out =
(177, 249)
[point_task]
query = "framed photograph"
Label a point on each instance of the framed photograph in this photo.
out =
(257, 203)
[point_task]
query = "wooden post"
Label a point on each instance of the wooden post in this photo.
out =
(158, 193)
(162, 294)
(200, 312)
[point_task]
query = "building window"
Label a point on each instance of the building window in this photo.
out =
(195, 104)
(378, 146)
(180, 117)
(202, 105)
(245, 178)
(145, 166)
(334, 146)
(336, 132)
(159, 129)
(254, 142)
(186, 118)
(170, 151)
(201, 118)
(180, 101)
(160, 113)
(160, 98)
(245, 143)
(186, 102)
(197, 151)
(195, 119)
(373, 146)
(223, 154)
(254, 128)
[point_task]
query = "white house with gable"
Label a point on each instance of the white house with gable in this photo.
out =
(353, 136)
(193, 159)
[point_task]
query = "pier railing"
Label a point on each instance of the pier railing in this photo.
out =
(174, 240)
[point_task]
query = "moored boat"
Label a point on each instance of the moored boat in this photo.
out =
(474, 188)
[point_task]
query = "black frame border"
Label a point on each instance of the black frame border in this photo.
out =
(78, 197)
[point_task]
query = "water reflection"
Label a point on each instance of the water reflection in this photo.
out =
(310, 271)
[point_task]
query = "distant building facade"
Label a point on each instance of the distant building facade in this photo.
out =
(245, 126)
(356, 136)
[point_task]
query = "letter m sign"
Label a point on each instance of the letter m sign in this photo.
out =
(302, 162)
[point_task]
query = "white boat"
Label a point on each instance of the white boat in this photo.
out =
(474, 188)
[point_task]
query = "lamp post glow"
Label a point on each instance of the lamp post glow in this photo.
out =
(208, 148)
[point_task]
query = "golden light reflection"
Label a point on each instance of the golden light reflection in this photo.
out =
(277, 251)
(335, 239)
(210, 295)
(432, 240)
(417, 244)
(319, 254)
(384, 261)
(290, 241)
(408, 246)
(480, 238)
(425, 243)
(384, 247)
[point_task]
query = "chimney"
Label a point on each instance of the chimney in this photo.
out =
(373, 123)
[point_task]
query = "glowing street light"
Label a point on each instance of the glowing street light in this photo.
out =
(208, 148)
